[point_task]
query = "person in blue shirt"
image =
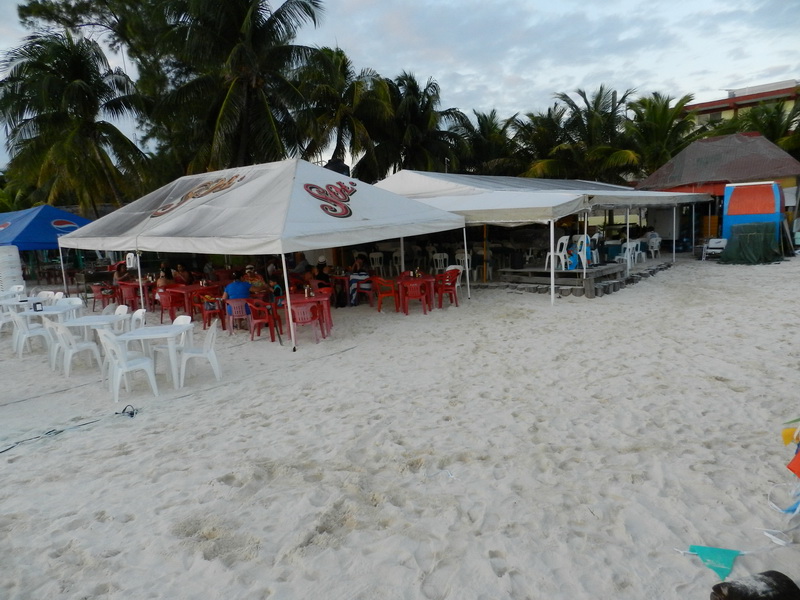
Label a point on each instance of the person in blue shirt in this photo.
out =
(236, 289)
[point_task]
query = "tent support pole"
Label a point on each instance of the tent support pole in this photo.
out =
(628, 241)
(63, 271)
(586, 249)
(287, 295)
(674, 231)
(485, 251)
(402, 258)
(693, 227)
(552, 262)
(467, 261)
(139, 271)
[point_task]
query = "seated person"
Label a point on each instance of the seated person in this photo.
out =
(165, 277)
(277, 295)
(236, 289)
(181, 275)
(359, 273)
(256, 281)
(302, 263)
(121, 273)
(208, 271)
(322, 272)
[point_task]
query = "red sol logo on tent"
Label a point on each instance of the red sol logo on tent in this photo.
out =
(4, 225)
(64, 225)
(335, 197)
(198, 191)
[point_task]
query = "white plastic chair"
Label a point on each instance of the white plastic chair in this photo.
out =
(464, 260)
(5, 318)
(460, 270)
(440, 260)
(109, 309)
(626, 253)
(120, 326)
(120, 363)
(207, 351)
(47, 297)
(57, 296)
(714, 247)
(397, 261)
(137, 319)
(19, 290)
(654, 247)
(376, 262)
(71, 346)
(582, 249)
(54, 343)
(24, 332)
(77, 302)
(559, 256)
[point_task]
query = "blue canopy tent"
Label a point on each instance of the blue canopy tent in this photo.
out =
(38, 228)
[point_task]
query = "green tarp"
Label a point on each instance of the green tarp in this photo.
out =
(752, 244)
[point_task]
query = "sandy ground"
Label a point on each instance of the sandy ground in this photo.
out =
(506, 448)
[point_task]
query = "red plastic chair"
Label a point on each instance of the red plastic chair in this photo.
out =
(385, 288)
(263, 313)
(364, 287)
(199, 302)
(129, 294)
(236, 308)
(446, 284)
(105, 299)
(170, 303)
(308, 314)
(414, 289)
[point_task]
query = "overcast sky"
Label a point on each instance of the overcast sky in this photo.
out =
(513, 56)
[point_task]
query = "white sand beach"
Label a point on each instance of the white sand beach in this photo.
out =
(505, 449)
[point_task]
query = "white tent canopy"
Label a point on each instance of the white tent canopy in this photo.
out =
(513, 201)
(272, 208)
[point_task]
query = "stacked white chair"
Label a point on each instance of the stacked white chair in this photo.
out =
(559, 256)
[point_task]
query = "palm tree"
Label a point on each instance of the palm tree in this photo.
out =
(55, 92)
(340, 105)
(536, 135)
(773, 121)
(595, 146)
(241, 55)
(489, 145)
(660, 128)
(417, 136)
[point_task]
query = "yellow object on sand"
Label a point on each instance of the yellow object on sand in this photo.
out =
(788, 435)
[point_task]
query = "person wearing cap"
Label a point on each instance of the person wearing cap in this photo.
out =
(255, 280)
(322, 272)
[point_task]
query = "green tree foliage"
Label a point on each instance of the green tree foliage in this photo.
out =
(418, 136)
(488, 145)
(660, 128)
(595, 145)
(55, 94)
(339, 105)
(242, 57)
